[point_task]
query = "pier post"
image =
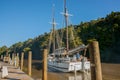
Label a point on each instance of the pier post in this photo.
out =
(83, 76)
(75, 72)
(17, 58)
(9, 59)
(22, 59)
(96, 73)
(83, 60)
(1, 57)
(29, 62)
(13, 58)
(44, 70)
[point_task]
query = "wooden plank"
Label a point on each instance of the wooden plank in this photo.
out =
(14, 73)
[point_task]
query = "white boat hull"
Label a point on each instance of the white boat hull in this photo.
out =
(69, 66)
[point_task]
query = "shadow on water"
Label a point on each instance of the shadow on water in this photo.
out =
(37, 65)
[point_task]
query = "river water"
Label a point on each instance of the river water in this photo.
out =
(62, 76)
(55, 75)
(71, 76)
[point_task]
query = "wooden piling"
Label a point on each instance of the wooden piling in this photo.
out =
(44, 71)
(22, 60)
(96, 73)
(17, 58)
(9, 58)
(1, 57)
(13, 58)
(29, 63)
(83, 76)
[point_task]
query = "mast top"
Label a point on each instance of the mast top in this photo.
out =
(53, 14)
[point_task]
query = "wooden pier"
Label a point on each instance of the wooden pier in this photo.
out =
(14, 73)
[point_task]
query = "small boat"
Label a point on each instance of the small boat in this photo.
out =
(64, 59)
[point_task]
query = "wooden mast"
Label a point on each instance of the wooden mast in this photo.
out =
(66, 24)
(53, 30)
(53, 24)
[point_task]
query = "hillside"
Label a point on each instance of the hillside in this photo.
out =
(105, 30)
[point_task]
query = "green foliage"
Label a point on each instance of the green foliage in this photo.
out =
(3, 50)
(26, 49)
(90, 40)
(105, 30)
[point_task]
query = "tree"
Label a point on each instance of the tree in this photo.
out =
(3, 50)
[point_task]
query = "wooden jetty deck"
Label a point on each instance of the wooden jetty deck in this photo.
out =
(14, 73)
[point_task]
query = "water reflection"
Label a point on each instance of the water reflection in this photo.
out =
(73, 76)
(82, 76)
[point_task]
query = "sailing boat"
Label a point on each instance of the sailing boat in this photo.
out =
(65, 60)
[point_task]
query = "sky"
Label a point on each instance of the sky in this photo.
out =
(24, 19)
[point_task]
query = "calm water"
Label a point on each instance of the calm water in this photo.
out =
(70, 76)
(37, 73)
